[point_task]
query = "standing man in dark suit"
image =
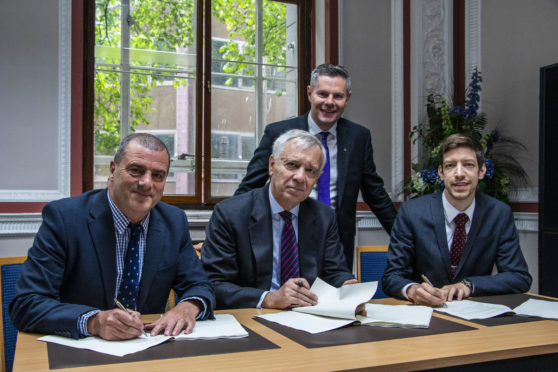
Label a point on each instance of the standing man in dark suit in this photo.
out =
(81, 260)
(264, 248)
(456, 237)
(349, 166)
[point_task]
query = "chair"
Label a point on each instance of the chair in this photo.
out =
(371, 263)
(10, 268)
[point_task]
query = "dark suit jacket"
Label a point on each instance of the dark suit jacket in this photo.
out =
(71, 267)
(355, 167)
(238, 248)
(419, 246)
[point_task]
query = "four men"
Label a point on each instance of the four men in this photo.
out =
(102, 258)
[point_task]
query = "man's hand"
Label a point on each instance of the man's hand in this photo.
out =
(181, 317)
(425, 294)
(293, 293)
(350, 281)
(459, 290)
(115, 325)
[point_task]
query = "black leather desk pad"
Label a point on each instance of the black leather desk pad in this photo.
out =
(60, 356)
(512, 301)
(355, 334)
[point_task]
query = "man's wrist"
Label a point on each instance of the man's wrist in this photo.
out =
(469, 285)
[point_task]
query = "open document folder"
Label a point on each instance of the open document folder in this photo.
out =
(223, 326)
(336, 308)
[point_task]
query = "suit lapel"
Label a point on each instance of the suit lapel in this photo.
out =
(152, 256)
(102, 233)
(307, 240)
(260, 233)
(439, 220)
(343, 151)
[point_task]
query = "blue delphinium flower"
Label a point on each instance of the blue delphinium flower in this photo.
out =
(473, 97)
(430, 176)
(490, 170)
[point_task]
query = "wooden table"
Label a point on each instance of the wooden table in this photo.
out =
(479, 345)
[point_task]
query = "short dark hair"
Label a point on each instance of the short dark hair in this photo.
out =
(330, 70)
(460, 140)
(146, 140)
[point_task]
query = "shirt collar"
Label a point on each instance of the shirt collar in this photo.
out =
(276, 208)
(121, 222)
(314, 129)
(451, 212)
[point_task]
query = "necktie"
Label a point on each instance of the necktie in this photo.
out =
(323, 182)
(129, 285)
(459, 239)
(289, 249)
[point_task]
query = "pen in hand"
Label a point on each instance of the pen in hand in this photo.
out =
(121, 307)
(426, 280)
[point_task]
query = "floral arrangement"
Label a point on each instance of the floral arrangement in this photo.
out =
(502, 167)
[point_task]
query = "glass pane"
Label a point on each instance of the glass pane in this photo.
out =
(145, 67)
(253, 81)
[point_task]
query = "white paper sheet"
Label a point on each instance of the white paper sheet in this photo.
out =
(404, 316)
(224, 326)
(467, 309)
(339, 302)
(542, 308)
(306, 322)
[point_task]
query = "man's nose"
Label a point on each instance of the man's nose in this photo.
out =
(329, 99)
(145, 180)
(298, 174)
(459, 170)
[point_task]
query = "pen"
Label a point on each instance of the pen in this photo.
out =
(299, 283)
(426, 280)
(121, 307)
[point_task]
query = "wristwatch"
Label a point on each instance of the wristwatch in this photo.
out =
(468, 284)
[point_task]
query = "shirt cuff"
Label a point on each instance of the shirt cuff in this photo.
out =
(201, 315)
(259, 305)
(404, 290)
(82, 322)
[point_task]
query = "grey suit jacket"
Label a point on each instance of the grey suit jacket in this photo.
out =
(419, 246)
(238, 248)
(356, 171)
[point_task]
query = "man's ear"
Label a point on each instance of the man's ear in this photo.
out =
(482, 171)
(271, 164)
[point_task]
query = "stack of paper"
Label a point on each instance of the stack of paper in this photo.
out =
(469, 310)
(223, 326)
(336, 308)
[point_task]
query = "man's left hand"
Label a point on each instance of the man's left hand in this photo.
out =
(459, 290)
(181, 317)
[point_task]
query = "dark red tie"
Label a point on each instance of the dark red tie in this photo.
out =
(289, 249)
(459, 239)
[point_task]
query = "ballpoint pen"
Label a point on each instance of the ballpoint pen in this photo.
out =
(121, 307)
(426, 280)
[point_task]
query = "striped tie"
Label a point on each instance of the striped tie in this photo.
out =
(289, 249)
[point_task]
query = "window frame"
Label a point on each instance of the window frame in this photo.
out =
(202, 196)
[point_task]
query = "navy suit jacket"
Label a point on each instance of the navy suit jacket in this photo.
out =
(71, 267)
(419, 246)
(355, 167)
(238, 248)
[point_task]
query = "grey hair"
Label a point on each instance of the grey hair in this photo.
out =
(330, 70)
(146, 140)
(301, 138)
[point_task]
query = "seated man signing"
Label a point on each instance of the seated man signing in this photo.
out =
(453, 239)
(264, 248)
(114, 246)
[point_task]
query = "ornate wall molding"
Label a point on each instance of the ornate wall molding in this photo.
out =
(472, 36)
(64, 120)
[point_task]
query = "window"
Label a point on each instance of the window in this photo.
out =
(149, 64)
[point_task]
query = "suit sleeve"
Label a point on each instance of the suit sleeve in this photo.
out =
(220, 259)
(513, 275)
(401, 256)
(36, 306)
(335, 269)
(372, 188)
(257, 172)
(191, 279)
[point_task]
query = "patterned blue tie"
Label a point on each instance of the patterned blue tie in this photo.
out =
(323, 182)
(289, 249)
(129, 285)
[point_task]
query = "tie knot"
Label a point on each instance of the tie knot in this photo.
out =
(461, 219)
(324, 137)
(287, 216)
(135, 229)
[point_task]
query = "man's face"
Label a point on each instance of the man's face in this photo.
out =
(293, 175)
(327, 100)
(137, 183)
(461, 174)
